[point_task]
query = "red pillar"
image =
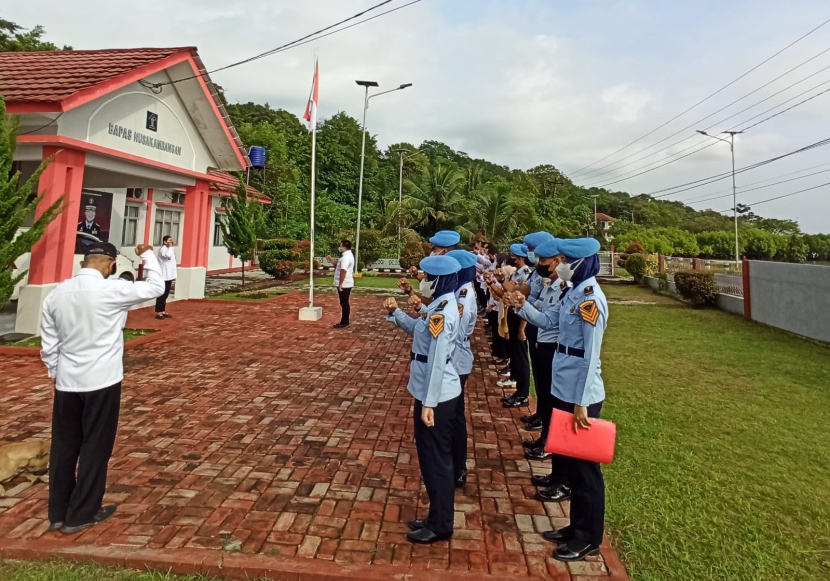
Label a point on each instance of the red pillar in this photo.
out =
(747, 295)
(195, 237)
(148, 216)
(661, 263)
(53, 254)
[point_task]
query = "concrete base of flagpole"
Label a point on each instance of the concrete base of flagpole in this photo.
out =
(311, 313)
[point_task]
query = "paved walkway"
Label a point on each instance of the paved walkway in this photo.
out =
(252, 444)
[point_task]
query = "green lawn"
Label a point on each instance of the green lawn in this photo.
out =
(723, 459)
(56, 571)
(364, 281)
(128, 334)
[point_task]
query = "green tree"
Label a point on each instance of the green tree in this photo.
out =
(242, 222)
(15, 38)
(437, 200)
(16, 203)
(339, 141)
(794, 250)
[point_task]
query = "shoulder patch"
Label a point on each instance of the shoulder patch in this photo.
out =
(462, 293)
(547, 281)
(589, 312)
(460, 309)
(436, 325)
(539, 280)
(441, 306)
(589, 290)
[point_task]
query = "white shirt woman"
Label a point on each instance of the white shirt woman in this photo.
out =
(167, 259)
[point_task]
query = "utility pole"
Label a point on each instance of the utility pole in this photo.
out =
(731, 143)
(556, 182)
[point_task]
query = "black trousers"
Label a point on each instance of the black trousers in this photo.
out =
(532, 332)
(543, 376)
(517, 352)
(434, 447)
(345, 306)
(459, 434)
(83, 434)
(587, 488)
(481, 297)
(161, 302)
(498, 346)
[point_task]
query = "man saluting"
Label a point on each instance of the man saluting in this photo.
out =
(83, 348)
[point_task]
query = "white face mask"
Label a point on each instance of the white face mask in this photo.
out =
(425, 288)
(565, 270)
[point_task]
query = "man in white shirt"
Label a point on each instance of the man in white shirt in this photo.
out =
(83, 349)
(344, 281)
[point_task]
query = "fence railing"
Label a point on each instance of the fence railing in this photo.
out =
(727, 274)
(730, 284)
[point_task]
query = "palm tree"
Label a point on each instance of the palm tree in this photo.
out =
(438, 199)
(497, 213)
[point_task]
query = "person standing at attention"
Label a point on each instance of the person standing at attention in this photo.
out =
(344, 281)
(167, 260)
(434, 383)
(83, 350)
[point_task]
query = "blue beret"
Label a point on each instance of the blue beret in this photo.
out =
(579, 247)
(439, 265)
(536, 239)
(518, 250)
(445, 238)
(465, 259)
(548, 249)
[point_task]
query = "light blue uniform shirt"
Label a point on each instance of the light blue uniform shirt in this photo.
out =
(521, 275)
(434, 380)
(580, 319)
(547, 300)
(537, 283)
(462, 359)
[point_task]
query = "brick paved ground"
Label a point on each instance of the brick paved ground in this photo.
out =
(253, 444)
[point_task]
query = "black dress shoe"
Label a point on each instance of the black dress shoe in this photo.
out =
(532, 443)
(103, 514)
(516, 402)
(461, 480)
(341, 326)
(561, 536)
(425, 536)
(529, 419)
(416, 524)
(505, 371)
(574, 550)
(553, 493)
(538, 454)
(55, 526)
(535, 426)
(546, 480)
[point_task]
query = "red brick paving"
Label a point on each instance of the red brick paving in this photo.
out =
(251, 444)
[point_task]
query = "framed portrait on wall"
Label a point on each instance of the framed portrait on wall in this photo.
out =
(94, 217)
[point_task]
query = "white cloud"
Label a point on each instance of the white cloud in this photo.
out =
(624, 104)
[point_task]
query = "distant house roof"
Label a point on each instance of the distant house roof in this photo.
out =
(225, 182)
(604, 217)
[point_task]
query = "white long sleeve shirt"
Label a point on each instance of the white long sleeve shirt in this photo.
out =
(167, 259)
(83, 319)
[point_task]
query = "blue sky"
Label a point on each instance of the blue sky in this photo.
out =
(519, 82)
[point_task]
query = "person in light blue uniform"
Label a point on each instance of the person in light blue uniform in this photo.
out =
(434, 383)
(532, 289)
(442, 242)
(462, 359)
(580, 319)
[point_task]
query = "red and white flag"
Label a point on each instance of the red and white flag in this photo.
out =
(310, 114)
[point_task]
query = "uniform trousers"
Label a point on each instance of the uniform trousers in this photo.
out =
(345, 306)
(434, 447)
(161, 302)
(543, 375)
(532, 332)
(83, 435)
(517, 352)
(498, 342)
(587, 488)
(459, 434)
(480, 296)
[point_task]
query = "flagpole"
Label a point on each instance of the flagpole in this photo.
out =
(312, 313)
(311, 229)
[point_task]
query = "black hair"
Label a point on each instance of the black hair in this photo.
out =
(492, 248)
(347, 244)
(166, 238)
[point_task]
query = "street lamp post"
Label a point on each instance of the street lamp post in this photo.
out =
(366, 98)
(731, 143)
(400, 191)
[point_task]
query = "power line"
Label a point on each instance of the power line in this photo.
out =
(594, 174)
(742, 187)
(752, 189)
(301, 41)
(784, 196)
(705, 99)
(602, 185)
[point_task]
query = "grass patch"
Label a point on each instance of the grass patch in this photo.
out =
(721, 468)
(128, 334)
(58, 571)
(388, 282)
(251, 296)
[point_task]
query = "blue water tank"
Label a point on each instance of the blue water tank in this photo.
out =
(257, 156)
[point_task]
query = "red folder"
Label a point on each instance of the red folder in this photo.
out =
(595, 445)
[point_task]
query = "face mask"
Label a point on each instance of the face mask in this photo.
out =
(565, 270)
(425, 288)
(543, 270)
(531, 257)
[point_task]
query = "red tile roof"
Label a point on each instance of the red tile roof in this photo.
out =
(226, 182)
(604, 217)
(51, 77)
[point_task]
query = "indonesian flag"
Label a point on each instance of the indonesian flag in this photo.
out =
(310, 114)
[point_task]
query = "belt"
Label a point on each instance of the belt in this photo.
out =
(570, 350)
(552, 346)
(422, 358)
